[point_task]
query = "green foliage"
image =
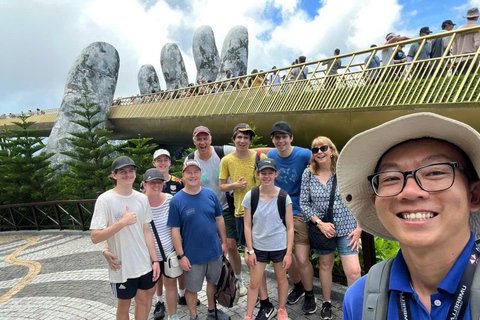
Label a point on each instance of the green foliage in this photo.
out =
(385, 249)
(25, 172)
(177, 165)
(140, 150)
(91, 158)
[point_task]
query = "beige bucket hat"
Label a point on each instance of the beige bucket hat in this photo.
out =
(360, 155)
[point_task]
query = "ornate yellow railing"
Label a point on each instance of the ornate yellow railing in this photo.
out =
(443, 80)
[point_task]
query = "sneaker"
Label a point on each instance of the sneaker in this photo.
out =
(266, 313)
(310, 304)
(326, 313)
(282, 314)
(243, 289)
(159, 312)
(295, 295)
(220, 315)
(174, 317)
(183, 302)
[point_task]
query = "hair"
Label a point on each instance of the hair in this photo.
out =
(337, 51)
(373, 46)
(321, 140)
(244, 132)
(302, 59)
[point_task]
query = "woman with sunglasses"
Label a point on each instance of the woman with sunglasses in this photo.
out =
(316, 187)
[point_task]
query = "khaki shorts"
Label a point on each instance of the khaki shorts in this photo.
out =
(300, 230)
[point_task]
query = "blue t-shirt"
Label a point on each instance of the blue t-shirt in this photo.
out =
(400, 281)
(195, 216)
(290, 170)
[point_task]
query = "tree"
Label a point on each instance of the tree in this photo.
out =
(25, 171)
(91, 158)
(141, 153)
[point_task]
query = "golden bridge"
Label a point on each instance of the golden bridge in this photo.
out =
(337, 105)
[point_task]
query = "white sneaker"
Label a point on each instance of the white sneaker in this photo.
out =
(243, 289)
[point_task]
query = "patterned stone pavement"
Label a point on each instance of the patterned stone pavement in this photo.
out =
(63, 275)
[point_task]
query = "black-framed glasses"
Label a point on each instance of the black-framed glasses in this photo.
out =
(431, 178)
(322, 148)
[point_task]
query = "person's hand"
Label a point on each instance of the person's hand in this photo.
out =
(287, 261)
(112, 260)
(156, 270)
(240, 184)
(224, 249)
(185, 264)
(251, 260)
(129, 217)
(354, 237)
(327, 228)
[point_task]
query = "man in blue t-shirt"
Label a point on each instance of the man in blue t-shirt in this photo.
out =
(197, 226)
(418, 184)
(291, 162)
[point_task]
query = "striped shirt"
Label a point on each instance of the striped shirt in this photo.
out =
(160, 218)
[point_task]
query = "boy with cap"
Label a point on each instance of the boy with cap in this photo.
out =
(162, 161)
(197, 227)
(417, 184)
(269, 235)
(122, 217)
(291, 162)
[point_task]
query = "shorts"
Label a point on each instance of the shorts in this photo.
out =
(230, 224)
(211, 270)
(342, 248)
(300, 230)
(267, 256)
(240, 231)
(128, 289)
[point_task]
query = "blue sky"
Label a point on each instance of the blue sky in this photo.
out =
(41, 38)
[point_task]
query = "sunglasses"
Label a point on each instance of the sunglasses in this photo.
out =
(322, 148)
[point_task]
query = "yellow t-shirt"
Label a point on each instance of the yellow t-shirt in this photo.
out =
(235, 168)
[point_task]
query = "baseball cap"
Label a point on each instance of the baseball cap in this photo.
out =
(153, 174)
(121, 162)
(281, 126)
(191, 162)
(354, 164)
(243, 127)
(266, 163)
(425, 30)
(160, 152)
(391, 34)
(201, 129)
(447, 23)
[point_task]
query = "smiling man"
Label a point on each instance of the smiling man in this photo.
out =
(417, 184)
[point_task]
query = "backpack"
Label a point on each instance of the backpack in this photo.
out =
(375, 300)
(228, 287)
(281, 202)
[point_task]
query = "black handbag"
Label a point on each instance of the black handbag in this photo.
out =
(318, 240)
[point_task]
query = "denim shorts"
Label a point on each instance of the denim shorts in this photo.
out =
(342, 248)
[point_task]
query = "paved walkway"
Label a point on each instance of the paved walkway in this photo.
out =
(63, 275)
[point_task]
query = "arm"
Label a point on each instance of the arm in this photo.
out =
(287, 260)
(100, 235)
(250, 259)
(224, 186)
(305, 203)
(112, 259)
(396, 39)
(222, 232)
(177, 243)
(147, 232)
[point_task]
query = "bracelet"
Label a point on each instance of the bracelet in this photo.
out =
(180, 256)
(103, 251)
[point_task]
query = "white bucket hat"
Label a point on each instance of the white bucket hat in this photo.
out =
(361, 154)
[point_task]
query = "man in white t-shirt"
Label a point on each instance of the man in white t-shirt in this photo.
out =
(122, 218)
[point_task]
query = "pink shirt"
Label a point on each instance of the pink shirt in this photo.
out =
(467, 42)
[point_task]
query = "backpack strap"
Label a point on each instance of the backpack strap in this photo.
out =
(257, 159)
(255, 196)
(475, 293)
(375, 299)
(219, 151)
(282, 205)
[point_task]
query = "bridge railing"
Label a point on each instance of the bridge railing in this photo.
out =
(61, 214)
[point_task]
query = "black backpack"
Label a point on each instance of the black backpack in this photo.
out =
(281, 202)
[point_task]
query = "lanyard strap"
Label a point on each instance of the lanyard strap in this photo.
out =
(460, 298)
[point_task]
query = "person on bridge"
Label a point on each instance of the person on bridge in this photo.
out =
(387, 53)
(467, 42)
(417, 184)
(122, 217)
(290, 163)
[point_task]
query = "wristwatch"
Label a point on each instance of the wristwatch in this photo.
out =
(251, 252)
(317, 222)
(180, 256)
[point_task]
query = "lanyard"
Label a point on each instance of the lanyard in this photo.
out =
(460, 298)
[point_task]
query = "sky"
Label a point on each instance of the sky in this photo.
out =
(42, 38)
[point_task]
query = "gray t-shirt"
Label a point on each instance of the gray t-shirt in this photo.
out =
(268, 231)
(211, 171)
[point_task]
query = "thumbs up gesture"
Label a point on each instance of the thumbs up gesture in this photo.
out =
(129, 217)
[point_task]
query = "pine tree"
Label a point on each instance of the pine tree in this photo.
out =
(25, 171)
(91, 158)
(140, 150)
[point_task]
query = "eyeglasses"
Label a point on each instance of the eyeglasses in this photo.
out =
(431, 178)
(322, 148)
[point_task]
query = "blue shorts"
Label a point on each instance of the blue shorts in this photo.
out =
(240, 231)
(342, 248)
